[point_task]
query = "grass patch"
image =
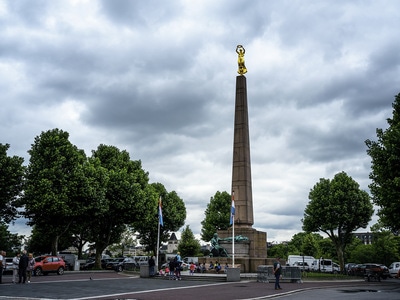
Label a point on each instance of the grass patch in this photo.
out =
(324, 276)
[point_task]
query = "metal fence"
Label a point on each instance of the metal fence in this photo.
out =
(265, 274)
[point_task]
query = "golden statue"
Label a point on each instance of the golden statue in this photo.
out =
(240, 51)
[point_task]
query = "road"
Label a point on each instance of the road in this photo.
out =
(113, 286)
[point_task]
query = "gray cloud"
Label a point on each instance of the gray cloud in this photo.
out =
(159, 81)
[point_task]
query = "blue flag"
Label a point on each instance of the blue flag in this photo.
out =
(160, 218)
(232, 219)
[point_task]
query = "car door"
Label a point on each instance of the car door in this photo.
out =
(48, 264)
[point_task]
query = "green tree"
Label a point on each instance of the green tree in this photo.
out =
(217, 215)
(362, 253)
(121, 202)
(11, 181)
(385, 175)
(188, 245)
(278, 250)
(310, 245)
(351, 247)
(9, 241)
(385, 245)
(40, 239)
(52, 197)
(173, 211)
(337, 207)
(327, 249)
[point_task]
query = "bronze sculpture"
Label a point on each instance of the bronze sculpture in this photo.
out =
(240, 51)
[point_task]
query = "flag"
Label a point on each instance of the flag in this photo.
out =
(160, 219)
(232, 219)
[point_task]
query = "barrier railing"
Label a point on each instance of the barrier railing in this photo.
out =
(265, 274)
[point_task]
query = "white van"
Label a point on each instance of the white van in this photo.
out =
(294, 259)
(325, 265)
(394, 269)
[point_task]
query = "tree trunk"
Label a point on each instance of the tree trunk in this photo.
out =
(54, 245)
(99, 252)
(340, 254)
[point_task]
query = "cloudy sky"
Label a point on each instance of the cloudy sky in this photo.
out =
(157, 78)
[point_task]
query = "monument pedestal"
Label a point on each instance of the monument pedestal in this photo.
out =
(249, 254)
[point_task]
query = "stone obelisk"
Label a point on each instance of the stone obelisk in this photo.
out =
(241, 166)
(252, 253)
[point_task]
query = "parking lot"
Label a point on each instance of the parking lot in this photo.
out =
(111, 285)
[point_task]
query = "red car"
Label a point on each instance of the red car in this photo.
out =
(48, 264)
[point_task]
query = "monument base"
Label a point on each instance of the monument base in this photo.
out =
(249, 254)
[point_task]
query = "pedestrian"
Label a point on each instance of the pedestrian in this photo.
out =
(277, 272)
(171, 269)
(2, 264)
(203, 267)
(211, 266)
(192, 267)
(178, 266)
(15, 267)
(226, 267)
(23, 265)
(152, 264)
(29, 269)
(217, 267)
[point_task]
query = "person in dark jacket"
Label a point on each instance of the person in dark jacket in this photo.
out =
(23, 264)
(152, 264)
(277, 272)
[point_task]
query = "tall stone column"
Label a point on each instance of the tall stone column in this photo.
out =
(241, 167)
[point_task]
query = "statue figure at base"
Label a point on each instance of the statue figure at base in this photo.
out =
(240, 51)
(216, 249)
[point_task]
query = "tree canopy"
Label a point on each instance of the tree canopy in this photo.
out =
(385, 175)
(51, 195)
(337, 207)
(188, 245)
(11, 183)
(119, 201)
(174, 215)
(217, 215)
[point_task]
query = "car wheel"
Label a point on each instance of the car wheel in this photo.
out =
(38, 272)
(60, 271)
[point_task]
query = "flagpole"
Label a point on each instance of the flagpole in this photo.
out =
(160, 220)
(158, 244)
(233, 234)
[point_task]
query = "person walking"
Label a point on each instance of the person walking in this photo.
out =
(171, 269)
(15, 267)
(152, 264)
(29, 269)
(277, 272)
(178, 266)
(23, 265)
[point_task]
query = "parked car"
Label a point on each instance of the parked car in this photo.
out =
(48, 264)
(394, 269)
(119, 267)
(348, 267)
(8, 267)
(89, 264)
(69, 259)
(302, 265)
(111, 264)
(371, 270)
